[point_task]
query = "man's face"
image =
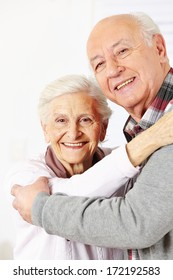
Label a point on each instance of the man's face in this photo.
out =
(128, 71)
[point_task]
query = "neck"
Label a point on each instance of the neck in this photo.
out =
(77, 168)
(139, 110)
(136, 113)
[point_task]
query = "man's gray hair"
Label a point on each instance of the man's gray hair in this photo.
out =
(71, 84)
(147, 26)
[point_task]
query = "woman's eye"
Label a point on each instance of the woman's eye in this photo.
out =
(60, 121)
(85, 121)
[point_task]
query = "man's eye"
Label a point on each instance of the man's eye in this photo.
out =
(123, 52)
(99, 66)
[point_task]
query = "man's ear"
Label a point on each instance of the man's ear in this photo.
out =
(46, 135)
(161, 47)
(103, 131)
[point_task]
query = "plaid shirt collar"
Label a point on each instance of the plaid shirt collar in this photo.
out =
(154, 112)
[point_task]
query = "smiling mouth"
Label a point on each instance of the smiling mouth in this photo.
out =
(124, 84)
(74, 144)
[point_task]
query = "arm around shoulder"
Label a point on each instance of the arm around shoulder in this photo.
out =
(130, 222)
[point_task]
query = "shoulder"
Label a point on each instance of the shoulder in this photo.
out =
(162, 155)
(106, 150)
(29, 164)
(158, 169)
(26, 171)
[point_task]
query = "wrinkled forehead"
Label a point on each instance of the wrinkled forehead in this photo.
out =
(111, 30)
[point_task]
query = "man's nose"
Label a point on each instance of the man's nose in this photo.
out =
(113, 68)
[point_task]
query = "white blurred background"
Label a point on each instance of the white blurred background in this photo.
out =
(41, 40)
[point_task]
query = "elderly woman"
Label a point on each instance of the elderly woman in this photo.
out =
(74, 116)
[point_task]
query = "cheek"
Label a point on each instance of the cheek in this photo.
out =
(95, 135)
(148, 78)
(101, 79)
(55, 136)
(103, 84)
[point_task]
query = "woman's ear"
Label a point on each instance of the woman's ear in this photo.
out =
(46, 135)
(103, 130)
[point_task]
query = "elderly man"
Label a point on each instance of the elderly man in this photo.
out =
(128, 56)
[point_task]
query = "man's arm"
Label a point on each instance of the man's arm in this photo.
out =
(41, 185)
(129, 222)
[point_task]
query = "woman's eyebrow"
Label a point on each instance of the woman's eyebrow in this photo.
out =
(59, 115)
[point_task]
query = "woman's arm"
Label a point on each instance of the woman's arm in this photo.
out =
(103, 179)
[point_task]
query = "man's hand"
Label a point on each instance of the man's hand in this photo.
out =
(24, 196)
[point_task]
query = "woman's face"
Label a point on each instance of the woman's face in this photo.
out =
(74, 128)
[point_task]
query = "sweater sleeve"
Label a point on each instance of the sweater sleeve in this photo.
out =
(138, 220)
(103, 179)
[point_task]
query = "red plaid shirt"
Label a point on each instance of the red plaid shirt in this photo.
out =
(156, 110)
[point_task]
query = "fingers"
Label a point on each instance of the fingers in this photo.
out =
(42, 180)
(24, 196)
(15, 204)
(41, 185)
(15, 189)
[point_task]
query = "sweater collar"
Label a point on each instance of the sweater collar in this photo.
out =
(56, 166)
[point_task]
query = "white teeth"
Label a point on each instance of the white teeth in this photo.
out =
(124, 84)
(73, 144)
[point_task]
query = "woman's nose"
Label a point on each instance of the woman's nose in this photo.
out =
(74, 131)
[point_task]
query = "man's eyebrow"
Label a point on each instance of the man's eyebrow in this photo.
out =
(121, 41)
(95, 57)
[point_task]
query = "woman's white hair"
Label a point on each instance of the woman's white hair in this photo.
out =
(71, 84)
(147, 26)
